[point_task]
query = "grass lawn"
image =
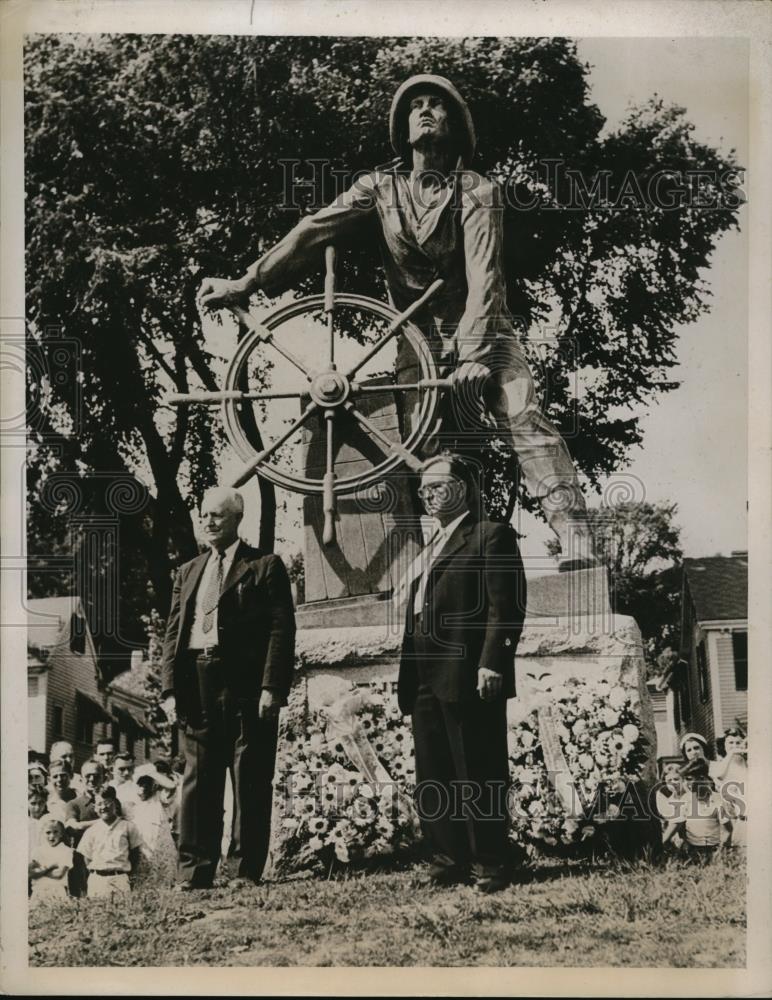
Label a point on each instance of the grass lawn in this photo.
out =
(639, 914)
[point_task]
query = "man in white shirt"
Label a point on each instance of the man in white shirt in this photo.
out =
(465, 612)
(227, 669)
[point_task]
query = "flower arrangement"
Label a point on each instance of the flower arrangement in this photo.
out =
(329, 812)
(603, 751)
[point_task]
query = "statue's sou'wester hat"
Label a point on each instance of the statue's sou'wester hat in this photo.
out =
(399, 107)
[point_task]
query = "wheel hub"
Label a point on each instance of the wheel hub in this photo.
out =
(330, 388)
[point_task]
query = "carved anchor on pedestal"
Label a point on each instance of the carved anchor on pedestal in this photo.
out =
(329, 392)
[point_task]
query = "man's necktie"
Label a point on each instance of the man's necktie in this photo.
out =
(427, 558)
(212, 594)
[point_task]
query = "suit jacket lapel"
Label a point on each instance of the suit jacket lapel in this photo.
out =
(238, 568)
(191, 581)
(456, 541)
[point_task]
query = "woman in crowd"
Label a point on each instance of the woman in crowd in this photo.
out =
(693, 745)
(159, 855)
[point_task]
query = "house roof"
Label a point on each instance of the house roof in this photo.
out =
(132, 681)
(718, 586)
(47, 617)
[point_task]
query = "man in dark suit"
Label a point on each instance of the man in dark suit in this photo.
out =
(227, 668)
(465, 612)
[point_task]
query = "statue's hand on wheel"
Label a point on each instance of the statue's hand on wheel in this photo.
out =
(223, 293)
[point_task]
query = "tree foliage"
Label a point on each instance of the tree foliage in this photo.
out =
(154, 160)
(640, 543)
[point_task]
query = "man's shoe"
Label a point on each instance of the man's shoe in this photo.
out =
(442, 875)
(491, 883)
(190, 887)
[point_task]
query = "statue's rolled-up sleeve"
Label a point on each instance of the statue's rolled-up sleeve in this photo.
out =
(299, 251)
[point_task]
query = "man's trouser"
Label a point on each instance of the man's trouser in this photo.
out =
(462, 773)
(226, 734)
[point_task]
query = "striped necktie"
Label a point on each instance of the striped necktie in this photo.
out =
(212, 593)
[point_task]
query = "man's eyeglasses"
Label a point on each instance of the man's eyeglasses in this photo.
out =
(425, 492)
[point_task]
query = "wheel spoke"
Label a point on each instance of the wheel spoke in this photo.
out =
(213, 398)
(264, 336)
(427, 383)
(328, 501)
(329, 299)
(393, 446)
(252, 464)
(396, 325)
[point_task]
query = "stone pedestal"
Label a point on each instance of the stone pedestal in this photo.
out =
(554, 648)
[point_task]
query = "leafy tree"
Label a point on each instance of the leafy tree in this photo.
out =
(154, 160)
(641, 545)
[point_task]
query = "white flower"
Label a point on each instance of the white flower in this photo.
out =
(290, 824)
(618, 697)
(630, 732)
(316, 843)
(586, 762)
(316, 743)
(610, 717)
(571, 749)
(580, 726)
(527, 739)
(318, 825)
(585, 701)
(563, 732)
(341, 852)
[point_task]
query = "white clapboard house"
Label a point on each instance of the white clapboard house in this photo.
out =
(709, 684)
(68, 698)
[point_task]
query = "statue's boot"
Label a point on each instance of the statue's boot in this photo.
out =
(566, 514)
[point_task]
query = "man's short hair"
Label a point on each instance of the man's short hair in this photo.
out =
(233, 498)
(92, 765)
(463, 470)
(123, 755)
(106, 742)
(56, 749)
(37, 792)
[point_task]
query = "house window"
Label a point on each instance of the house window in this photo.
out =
(685, 702)
(32, 687)
(740, 652)
(702, 670)
(77, 635)
(57, 720)
(84, 727)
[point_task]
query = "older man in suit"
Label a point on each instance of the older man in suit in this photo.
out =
(465, 612)
(227, 669)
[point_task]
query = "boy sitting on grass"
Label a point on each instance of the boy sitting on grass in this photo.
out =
(111, 848)
(50, 862)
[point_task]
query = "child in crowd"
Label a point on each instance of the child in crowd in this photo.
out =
(37, 806)
(110, 847)
(730, 773)
(126, 790)
(703, 820)
(159, 855)
(50, 862)
(670, 797)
